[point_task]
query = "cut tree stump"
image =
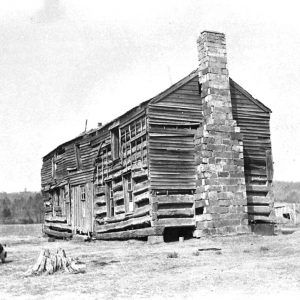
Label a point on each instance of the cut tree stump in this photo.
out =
(49, 264)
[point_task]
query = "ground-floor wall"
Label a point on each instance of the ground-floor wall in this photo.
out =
(69, 210)
(78, 209)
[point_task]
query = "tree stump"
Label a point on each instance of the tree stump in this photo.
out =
(49, 264)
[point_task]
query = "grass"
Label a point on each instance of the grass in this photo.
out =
(134, 269)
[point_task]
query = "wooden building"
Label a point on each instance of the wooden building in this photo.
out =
(195, 157)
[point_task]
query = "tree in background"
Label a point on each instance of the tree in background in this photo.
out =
(24, 207)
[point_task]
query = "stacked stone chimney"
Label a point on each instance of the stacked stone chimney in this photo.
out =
(221, 191)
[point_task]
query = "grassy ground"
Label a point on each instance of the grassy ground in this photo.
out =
(254, 266)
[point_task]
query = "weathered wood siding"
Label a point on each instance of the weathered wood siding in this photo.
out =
(172, 124)
(82, 208)
(253, 118)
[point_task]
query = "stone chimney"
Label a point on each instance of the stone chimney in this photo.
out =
(221, 189)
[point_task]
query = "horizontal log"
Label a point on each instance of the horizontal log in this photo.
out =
(258, 209)
(141, 187)
(119, 209)
(184, 212)
(100, 190)
(139, 174)
(100, 210)
(55, 219)
(260, 218)
(118, 186)
(59, 234)
(258, 200)
(166, 199)
(176, 222)
(100, 200)
(118, 195)
(130, 234)
(257, 188)
(141, 197)
(123, 224)
(59, 226)
(139, 212)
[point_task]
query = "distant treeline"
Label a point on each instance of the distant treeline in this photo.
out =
(287, 191)
(24, 208)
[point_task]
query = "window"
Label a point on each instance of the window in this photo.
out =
(115, 145)
(82, 193)
(77, 155)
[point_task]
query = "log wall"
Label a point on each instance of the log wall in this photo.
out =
(121, 189)
(253, 118)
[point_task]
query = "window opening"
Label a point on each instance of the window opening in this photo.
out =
(82, 193)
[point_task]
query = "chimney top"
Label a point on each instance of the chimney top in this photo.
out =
(212, 31)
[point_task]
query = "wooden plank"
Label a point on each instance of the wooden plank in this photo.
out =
(141, 197)
(251, 199)
(262, 218)
(124, 224)
(176, 222)
(60, 226)
(139, 174)
(140, 187)
(258, 209)
(118, 195)
(56, 219)
(100, 190)
(100, 210)
(167, 199)
(257, 188)
(139, 212)
(119, 209)
(100, 200)
(131, 234)
(183, 212)
(60, 234)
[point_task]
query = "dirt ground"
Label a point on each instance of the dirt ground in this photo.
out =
(251, 266)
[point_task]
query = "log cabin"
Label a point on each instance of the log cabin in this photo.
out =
(195, 159)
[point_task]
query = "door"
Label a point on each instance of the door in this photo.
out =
(82, 208)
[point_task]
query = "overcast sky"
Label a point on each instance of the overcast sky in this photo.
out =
(62, 62)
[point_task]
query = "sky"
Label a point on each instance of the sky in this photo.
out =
(64, 62)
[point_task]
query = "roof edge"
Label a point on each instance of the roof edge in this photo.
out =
(249, 96)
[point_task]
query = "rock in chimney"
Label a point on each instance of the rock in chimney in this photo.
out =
(220, 164)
